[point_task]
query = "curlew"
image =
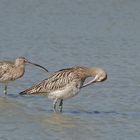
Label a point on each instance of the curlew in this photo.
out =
(12, 70)
(66, 83)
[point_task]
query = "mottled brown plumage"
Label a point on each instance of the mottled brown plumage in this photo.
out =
(66, 83)
(12, 70)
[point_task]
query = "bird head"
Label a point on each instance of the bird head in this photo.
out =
(99, 75)
(22, 61)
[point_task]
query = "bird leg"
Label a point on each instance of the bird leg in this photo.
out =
(61, 105)
(54, 104)
(5, 89)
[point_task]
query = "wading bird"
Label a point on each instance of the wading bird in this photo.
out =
(12, 70)
(66, 83)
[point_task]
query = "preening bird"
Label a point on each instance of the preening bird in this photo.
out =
(12, 70)
(66, 83)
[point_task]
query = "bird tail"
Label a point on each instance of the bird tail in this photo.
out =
(34, 90)
(22, 93)
(29, 91)
(25, 92)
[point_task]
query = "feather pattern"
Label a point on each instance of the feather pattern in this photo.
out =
(12, 70)
(56, 81)
(7, 71)
(65, 83)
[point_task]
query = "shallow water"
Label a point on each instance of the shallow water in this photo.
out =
(60, 34)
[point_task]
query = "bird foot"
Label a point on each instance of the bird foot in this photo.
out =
(5, 92)
(60, 108)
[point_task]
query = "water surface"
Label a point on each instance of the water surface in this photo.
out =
(60, 34)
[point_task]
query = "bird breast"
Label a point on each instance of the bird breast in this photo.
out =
(19, 72)
(15, 73)
(67, 92)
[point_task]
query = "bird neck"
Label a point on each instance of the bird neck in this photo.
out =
(89, 72)
(17, 64)
(20, 69)
(92, 72)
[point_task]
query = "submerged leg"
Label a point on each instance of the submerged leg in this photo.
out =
(5, 89)
(61, 105)
(54, 104)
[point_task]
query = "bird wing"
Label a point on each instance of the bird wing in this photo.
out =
(56, 81)
(4, 67)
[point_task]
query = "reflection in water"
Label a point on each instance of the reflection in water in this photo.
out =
(5, 103)
(59, 119)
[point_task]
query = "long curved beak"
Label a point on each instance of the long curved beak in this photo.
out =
(37, 66)
(90, 82)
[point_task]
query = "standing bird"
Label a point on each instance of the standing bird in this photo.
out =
(12, 70)
(66, 83)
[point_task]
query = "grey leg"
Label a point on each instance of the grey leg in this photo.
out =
(54, 104)
(5, 89)
(61, 105)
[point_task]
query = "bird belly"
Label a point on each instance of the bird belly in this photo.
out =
(5, 78)
(10, 77)
(65, 93)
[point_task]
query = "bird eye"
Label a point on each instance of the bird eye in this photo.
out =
(25, 60)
